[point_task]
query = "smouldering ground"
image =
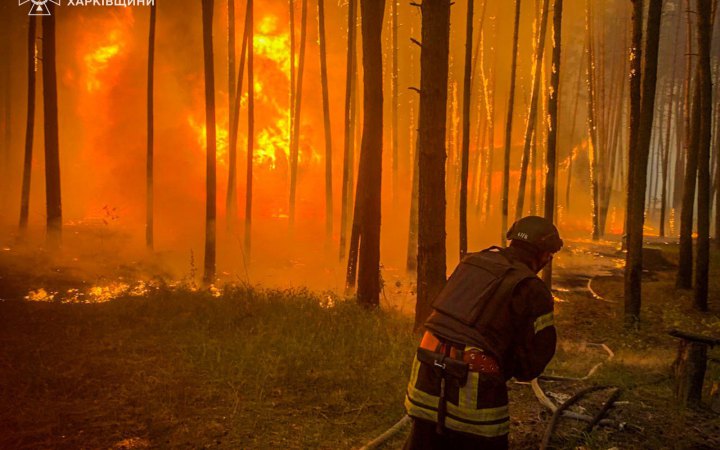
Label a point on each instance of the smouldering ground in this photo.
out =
(178, 368)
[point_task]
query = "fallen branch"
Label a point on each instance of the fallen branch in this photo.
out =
(563, 407)
(545, 401)
(393, 430)
(606, 407)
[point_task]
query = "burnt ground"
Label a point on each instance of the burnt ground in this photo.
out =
(110, 362)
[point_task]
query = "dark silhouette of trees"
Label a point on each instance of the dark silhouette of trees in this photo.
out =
(231, 195)
(464, 160)
(211, 147)
(395, 132)
(348, 145)
(639, 150)
(431, 194)
(692, 130)
(150, 161)
(53, 195)
(251, 131)
(705, 12)
(532, 113)
(326, 122)
(551, 159)
(30, 124)
(295, 139)
(366, 220)
(592, 122)
(508, 125)
(231, 199)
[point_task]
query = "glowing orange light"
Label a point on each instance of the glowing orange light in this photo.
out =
(98, 60)
(222, 137)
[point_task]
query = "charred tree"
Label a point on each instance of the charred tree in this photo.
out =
(508, 125)
(326, 122)
(705, 118)
(231, 210)
(395, 105)
(532, 113)
(149, 180)
(30, 124)
(639, 152)
(251, 131)
(211, 148)
(464, 160)
(431, 134)
(349, 129)
(52, 146)
(551, 158)
(295, 141)
(594, 151)
(368, 201)
(230, 198)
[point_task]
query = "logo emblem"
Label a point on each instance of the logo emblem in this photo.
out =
(39, 7)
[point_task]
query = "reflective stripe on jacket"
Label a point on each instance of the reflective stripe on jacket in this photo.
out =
(480, 407)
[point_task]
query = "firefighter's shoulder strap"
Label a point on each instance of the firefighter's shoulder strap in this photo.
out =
(482, 281)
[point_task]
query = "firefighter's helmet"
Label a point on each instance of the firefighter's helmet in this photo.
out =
(536, 231)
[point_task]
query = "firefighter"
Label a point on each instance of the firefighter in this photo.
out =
(492, 321)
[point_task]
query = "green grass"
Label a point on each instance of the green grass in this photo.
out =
(250, 369)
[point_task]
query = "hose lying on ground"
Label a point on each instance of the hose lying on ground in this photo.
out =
(392, 431)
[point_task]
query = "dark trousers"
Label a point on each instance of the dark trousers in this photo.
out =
(424, 436)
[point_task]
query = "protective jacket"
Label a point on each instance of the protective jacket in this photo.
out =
(493, 309)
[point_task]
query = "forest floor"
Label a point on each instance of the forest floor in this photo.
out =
(114, 363)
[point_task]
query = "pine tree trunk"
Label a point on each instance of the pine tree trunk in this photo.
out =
(371, 154)
(668, 128)
(464, 160)
(433, 100)
(594, 150)
(532, 114)
(150, 194)
(326, 115)
(30, 125)
(395, 106)
(705, 118)
(230, 203)
(572, 135)
(411, 263)
(295, 142)
(636, 204)
(508, 126)
(52, 146)
(211, 210)
(489, 164)
(346, 189)
(251, 132)
(551, 163)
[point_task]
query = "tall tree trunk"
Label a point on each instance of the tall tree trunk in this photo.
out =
(295, 142)
(464, 161)
(211, 146)
(551, 163)
(326, 114)
(395, 106)
(532, 113)
(350, 72)
(433, 100)
(230, 198)
(412, 260)
(52, 146)
(30, 125)
(572, 135)
(251, 131)
(508, 125)
(636, 204)
(489, 165)
(6, 56)
(594, 150)
(293, 76)
(150, 194)
(371, 154)
(231, 206)
(705, 118)
(668, 128)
